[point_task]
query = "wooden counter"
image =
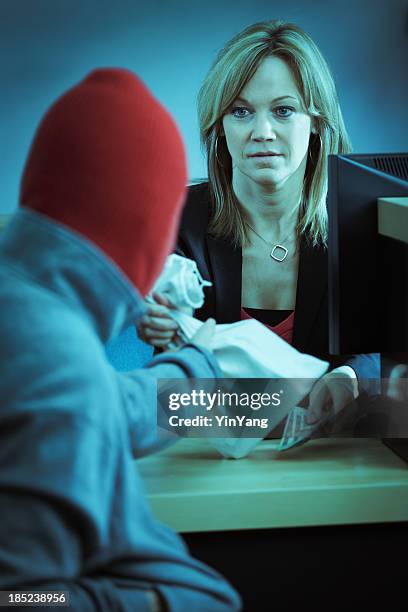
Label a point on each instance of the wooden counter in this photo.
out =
(326, 482)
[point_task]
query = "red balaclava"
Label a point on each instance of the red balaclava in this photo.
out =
(108, 162)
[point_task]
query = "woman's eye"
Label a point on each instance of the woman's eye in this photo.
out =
(240, 112)
(284, 111)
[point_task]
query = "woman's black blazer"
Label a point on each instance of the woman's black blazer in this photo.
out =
(221, 263)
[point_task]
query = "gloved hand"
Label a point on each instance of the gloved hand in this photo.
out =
(331, 393)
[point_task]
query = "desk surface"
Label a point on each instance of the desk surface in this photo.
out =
(326, 482)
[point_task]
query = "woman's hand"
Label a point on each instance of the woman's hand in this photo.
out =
(157, 327)
(331, 393)
(397, 388)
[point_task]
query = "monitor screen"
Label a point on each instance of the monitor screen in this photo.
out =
(368, 273)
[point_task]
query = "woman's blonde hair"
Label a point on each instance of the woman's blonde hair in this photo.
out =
(234, 66)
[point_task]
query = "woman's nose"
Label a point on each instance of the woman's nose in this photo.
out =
(263, 129)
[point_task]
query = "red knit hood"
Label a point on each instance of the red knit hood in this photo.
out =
(108, 162)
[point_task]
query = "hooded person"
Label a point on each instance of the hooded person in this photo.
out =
(101, 196)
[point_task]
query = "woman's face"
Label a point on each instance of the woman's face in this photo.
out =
(267, 129)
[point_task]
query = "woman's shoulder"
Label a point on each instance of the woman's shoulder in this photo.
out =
(198, 194)
(197, 207)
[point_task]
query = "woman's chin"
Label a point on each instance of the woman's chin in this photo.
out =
(268, 177)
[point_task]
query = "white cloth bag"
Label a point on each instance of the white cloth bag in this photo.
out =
(182, 283)
(248, 349)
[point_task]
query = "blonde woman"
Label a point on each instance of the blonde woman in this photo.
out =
(269, 117)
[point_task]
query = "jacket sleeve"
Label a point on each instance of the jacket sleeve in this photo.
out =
(49, 526)
(139, 393)
(55, 470)
(60, 467)
(41, 552)
(368, 371)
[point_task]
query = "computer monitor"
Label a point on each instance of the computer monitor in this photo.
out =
(368, 273)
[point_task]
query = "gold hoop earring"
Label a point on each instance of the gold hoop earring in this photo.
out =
(216, 151)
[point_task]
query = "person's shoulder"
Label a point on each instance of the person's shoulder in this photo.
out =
(199, 191)
(196, 212)
(40, 322)
(198, 197)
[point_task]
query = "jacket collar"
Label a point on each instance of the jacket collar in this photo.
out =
(226, 264)
(66, 263)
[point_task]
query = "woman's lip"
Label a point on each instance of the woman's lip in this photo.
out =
(265, 155)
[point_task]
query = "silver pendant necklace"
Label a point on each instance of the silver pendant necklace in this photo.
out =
(279, 252)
